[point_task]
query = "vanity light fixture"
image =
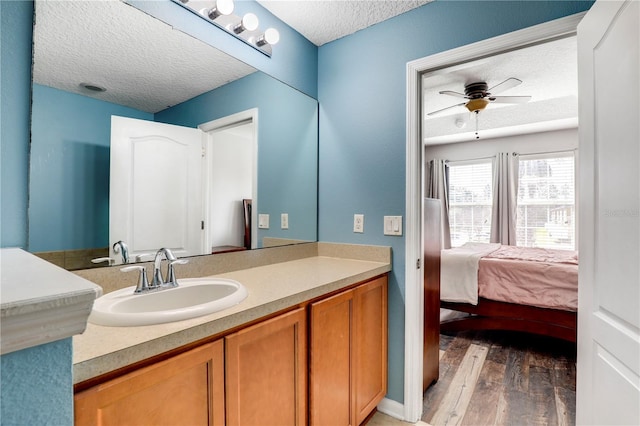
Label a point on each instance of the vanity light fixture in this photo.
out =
(220, 14)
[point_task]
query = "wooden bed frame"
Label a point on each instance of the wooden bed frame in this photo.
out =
(492, 315)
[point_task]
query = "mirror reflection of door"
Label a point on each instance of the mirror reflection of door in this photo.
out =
(156, 188)
(182, 188)
(231, 157)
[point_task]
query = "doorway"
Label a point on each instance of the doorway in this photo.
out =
(414, 308)
(231, 182)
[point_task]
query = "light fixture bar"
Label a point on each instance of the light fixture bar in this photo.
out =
(219, 13)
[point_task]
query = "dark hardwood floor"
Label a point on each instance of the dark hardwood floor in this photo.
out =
(503, 378)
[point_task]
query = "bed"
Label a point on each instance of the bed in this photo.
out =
(503, 287)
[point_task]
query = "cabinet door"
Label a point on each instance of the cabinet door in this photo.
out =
(266, 366)
(185, 389)
(330, 392)
(370, 346)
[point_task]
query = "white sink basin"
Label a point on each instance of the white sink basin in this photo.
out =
(193, 298)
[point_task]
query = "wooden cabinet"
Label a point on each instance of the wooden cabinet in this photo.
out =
(259, 374)
(266, 366)
(185, 389)
(348, 355)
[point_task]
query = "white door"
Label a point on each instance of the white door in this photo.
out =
(608, 369)
(156, 196)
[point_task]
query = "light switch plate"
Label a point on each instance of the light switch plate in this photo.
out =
(263, 221)
(284, 220)
(393, 225)
(358, 223)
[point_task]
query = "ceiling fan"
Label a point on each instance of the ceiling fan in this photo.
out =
(479, 95)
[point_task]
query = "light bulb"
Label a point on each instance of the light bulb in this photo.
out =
(270, 36)
(249, 23)
(222, 7)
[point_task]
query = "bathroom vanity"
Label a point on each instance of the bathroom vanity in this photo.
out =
(308, 345)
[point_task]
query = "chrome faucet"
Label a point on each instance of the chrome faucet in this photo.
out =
(158, 280)
(121, 247)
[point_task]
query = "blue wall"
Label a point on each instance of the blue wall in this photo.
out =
(37, 385)
(15, 98)
(294, 60)
(287, 146)
(69, 170)
(361, 88)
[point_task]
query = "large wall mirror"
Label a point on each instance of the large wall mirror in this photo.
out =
(95, 60)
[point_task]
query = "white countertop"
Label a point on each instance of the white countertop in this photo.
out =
(271, 288)
(40, 302)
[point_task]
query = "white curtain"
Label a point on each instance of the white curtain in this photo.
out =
(437, 186)
(505, 198)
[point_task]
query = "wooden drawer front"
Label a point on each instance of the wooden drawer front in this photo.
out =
(185, 389)
(266, 367)
(330, 370)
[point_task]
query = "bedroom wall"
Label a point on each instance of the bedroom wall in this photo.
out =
(534, 143)
(558, 140)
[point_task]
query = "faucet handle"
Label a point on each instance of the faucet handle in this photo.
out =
(172, 281)
(109, 260)
(143, 281)
(141, 257)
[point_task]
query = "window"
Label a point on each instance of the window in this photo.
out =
(546, 201)
(470, 200)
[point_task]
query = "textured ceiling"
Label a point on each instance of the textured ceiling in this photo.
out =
(147, 65)
(549, 75)
(142, 62)
(322, 21)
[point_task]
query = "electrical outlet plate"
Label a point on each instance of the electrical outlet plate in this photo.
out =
(263, 221)
(393, 225)
(284, 220)
(358, 223)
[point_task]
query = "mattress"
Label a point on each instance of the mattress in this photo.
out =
(546, 278)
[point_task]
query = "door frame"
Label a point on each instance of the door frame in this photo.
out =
(242, 117)
(414, 291)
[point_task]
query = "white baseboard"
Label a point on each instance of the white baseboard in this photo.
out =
(391, 408)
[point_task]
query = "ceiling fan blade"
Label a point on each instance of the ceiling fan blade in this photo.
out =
(505, 85)
(510, 99)
(452, 93)
(444, 109)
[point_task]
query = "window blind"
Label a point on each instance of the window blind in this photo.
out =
(546, 201)
(470, 200)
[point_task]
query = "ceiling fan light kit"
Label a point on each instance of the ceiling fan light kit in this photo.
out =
(220, 14)
(475, 105)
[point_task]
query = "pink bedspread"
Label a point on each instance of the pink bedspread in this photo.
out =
(530, 276)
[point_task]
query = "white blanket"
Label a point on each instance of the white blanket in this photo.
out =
(459, 272)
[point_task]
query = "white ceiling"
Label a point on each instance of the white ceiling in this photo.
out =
(548, 73)
(323, 21)
(142, 62)
(146, 64)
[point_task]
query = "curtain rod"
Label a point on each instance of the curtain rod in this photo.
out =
(515, 153)
(549, 152)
